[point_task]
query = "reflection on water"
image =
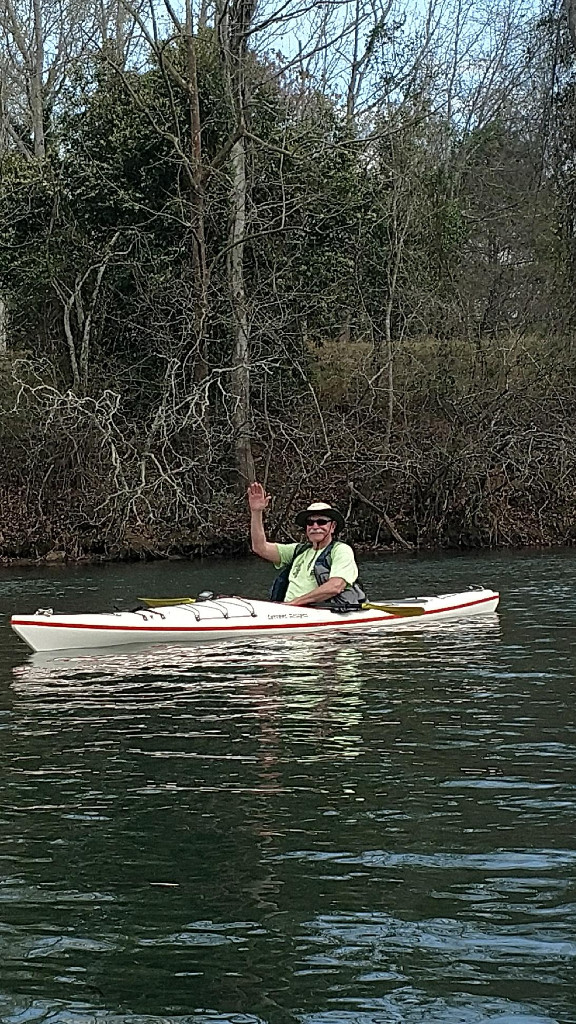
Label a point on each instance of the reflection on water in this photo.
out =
(373, 829)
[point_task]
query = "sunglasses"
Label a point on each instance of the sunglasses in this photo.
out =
(318, 522)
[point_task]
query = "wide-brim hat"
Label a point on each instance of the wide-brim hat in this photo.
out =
(325, 509)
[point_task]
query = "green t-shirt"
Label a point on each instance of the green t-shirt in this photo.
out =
(302, 579)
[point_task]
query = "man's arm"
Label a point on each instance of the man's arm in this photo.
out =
(335, 585)
(259, 501)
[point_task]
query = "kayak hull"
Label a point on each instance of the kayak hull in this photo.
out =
(232, 617)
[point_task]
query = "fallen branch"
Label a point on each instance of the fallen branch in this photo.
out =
(406, 544)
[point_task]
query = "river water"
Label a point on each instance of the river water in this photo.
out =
(325, 830)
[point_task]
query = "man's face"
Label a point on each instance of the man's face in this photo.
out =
(319, 530)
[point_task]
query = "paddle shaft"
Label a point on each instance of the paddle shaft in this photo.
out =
(400, 610)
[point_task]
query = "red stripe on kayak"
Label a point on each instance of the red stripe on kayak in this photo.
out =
(230, 629)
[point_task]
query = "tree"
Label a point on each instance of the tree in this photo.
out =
(234, 19)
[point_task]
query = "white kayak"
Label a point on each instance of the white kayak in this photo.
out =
(228, 617)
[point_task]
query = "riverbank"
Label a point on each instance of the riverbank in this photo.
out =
(475, 468)
(133, 552)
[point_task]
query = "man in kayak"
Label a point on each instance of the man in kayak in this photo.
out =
(323, 570)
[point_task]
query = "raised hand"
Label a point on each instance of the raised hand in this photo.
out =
(257, 498)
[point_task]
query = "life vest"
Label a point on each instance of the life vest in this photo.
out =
(351, 598)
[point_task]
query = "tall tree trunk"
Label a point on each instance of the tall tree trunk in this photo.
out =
(3, 328)
(235, 17)
(199, 262)
(570, 7)
(35, 84)
(241, 358)
(398, 228)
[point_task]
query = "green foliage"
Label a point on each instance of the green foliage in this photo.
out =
(394, 266)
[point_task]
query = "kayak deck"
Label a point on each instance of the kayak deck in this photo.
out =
(230, 617)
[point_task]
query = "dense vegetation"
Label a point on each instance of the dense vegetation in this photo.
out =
(344, 262)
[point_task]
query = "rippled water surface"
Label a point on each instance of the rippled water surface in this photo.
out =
(328, 830)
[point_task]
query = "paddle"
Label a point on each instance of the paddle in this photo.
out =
(400, 610)
(396, 609)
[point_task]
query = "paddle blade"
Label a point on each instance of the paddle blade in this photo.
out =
(165, 602)
(401, 610)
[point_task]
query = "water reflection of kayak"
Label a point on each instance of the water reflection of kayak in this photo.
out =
(190, 621)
